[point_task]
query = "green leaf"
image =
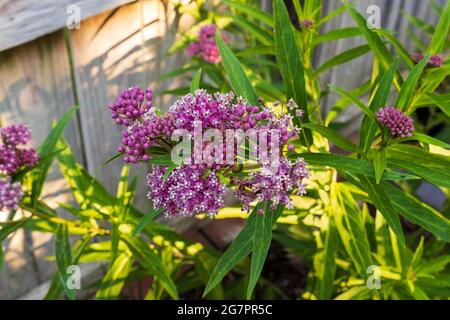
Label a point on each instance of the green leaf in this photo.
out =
(56, 288)
(252, 11)
(379, 163)
(355, 100)
(325, 264)
(432, 167)
(151, 261)
(337, 34)
(347, 164)
(343, 57)
(256, 50)
(151, 214)
(380, 98)
(239, 81)
(382, 202)
(239, 249)
(290, 63)
(344, 102)
(195, 83)
(261, 244)
(113, 281)
(333, 136)
(11, 227)
(63, 254)
(48, 147)
(440, 102)
(373, 40)
(400, 48)
(169, 170)
(426, 139)
(440, 35)
(408, 88)
(350, 227)
(260, 34)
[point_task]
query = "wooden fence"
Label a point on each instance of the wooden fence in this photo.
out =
(45, 69)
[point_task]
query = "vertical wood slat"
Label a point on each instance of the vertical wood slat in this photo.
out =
(35, 89)
(111, 52)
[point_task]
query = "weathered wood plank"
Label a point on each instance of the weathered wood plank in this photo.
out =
(112, 52)
(24, 20)
(35, 89)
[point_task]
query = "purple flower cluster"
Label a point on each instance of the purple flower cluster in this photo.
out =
(186, 191)
(219, 111)
(194, 187)
(399, 124)
(10, 194)
(11, 156)
(435, 61)
(205, 47)
(131, 104)
(276, 187)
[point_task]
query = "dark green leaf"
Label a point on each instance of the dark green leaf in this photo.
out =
(382, 202)
(261, 242)
(63, 254)
(151, 214)
(333, 136)
(195, 83)
(290, 62)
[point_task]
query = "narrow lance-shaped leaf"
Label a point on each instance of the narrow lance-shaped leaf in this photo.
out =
(440, 35)
(325, 263)
(333, 136)
(239, 81)
(290, 62)
(113, 281)
(373, 40)
(343, 57)
(369, 125)
(261, 243)
(195, 83)
(47, 147)
(382, 202)
(408, 88)
(149, 216)
(379, 163)
(251, 11)
(63, 254)
(151, 261)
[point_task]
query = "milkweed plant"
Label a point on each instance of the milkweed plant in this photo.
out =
(251, 124)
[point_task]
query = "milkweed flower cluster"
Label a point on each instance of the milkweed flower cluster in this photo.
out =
(205, 47)
(267, 185)
(10, 194)
(399, 124)
(194, 186)
(435, 61)
(12, 158)
(186, 191)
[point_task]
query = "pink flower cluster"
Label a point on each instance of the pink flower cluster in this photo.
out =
(205, 47)
(10, 194)
(194, 187)
(275, 187)
(12, 158)
(435, 61)
(399, 124)
(186, 191)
